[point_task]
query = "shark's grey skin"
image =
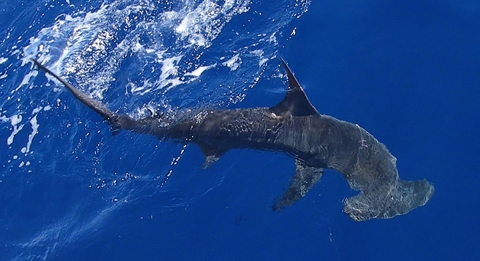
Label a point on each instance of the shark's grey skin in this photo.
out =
(294, 127)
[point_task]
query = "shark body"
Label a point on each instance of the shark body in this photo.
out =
(294, 127)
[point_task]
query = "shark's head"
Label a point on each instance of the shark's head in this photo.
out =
(387, 202)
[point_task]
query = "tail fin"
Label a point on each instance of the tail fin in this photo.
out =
(117, 121)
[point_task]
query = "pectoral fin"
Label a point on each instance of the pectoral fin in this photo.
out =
(304, 179)
(212, 155)
(209, 161)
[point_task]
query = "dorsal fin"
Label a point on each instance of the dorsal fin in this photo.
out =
(295, 102)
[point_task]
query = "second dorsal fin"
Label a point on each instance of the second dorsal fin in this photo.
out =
(295, 102)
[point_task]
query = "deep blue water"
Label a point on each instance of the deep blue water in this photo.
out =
(407, 71)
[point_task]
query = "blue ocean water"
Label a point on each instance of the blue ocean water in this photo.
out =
(405, 71)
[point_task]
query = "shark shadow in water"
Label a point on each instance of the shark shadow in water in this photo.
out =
(296, 128)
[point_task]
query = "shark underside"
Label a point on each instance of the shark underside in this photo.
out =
(295, 127)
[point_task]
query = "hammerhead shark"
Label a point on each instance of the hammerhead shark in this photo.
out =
(294, 127)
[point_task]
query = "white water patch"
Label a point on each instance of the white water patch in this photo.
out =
(2, 61)
(92, 46)
(35, 125)
(25, 81)
(233, 63)
(3, 118)
(63, 46)
(205, 22)
(170, 67)
(17, 127)
(140, 89)
(197, 72)
(77, 43)
(261, 55)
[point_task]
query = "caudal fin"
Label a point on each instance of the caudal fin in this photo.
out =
(95, 105)
(117, 121)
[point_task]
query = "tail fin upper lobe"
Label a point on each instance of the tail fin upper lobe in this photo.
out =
(117, 121)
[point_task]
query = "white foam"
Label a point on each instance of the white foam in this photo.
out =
(262, 59)
(273, 38)
(170, 67)
(83, 44)
(233, 63)
(294, 31)
(3, 60)
(37, 110)
(197, 72)
(35, 125)
(201, 25)
(14, 120)
(26, 80)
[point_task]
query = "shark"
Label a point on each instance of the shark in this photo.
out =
(294, 127)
